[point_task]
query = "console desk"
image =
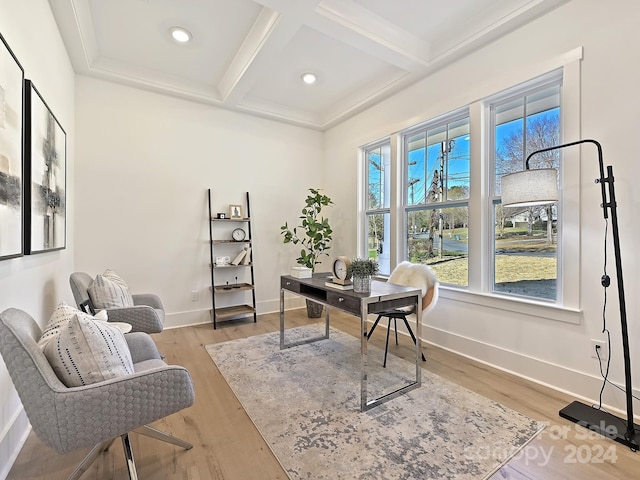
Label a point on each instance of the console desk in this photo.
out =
(383, 296)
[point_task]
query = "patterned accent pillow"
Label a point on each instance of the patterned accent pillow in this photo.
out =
(109, 291)
(86, 352)
(60, 317)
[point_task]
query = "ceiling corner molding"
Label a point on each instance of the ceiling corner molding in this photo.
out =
(368, 99)
(101, 69)
(84, 25)
(279, 113)
(502, 26)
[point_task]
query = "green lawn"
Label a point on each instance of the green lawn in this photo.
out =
(509, 268)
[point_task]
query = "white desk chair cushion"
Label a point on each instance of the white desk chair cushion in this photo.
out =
(418, 276)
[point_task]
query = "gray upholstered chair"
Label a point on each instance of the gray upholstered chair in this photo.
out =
(67, 419)
(147, 314)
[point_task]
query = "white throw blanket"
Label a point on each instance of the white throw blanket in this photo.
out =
(414, 275)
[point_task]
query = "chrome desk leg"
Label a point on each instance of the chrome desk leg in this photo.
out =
(281, 318)
(366, 404)
(418, 311)
(326, 321)
(363, 359)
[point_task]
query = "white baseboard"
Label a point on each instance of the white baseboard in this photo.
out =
(12, 439)
(203, 315)
(185, 319)
(577, 384)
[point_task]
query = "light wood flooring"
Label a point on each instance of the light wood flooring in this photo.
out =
(228, 446)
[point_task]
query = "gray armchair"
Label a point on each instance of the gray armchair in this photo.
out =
(147, 314)
(67, 419)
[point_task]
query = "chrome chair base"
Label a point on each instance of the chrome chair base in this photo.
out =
(145, 430)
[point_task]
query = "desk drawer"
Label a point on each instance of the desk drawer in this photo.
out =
(290, 284)
(344, 302)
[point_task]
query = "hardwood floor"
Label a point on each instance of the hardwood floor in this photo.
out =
(228, 446)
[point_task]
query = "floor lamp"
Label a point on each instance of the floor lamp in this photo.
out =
(538, 187)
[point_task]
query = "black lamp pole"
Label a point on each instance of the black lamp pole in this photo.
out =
(595, 419)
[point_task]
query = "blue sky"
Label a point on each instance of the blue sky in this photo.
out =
(457, 165)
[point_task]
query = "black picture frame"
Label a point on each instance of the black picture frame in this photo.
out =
(45, 171)
(11, 153)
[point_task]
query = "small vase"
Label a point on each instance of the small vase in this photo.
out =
(362, 284)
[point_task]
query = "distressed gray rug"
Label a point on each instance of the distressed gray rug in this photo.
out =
(305, 401)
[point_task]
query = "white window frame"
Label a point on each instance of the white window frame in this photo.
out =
(529, 88)
(406, 208)
(568, 308)
(388, 192)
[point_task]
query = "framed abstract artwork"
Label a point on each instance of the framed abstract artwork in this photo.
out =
(11, 153)
(45, 176)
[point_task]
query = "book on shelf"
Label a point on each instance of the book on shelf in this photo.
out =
(338, 286)
(247, 256)
(238, 259)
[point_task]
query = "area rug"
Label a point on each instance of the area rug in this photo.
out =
(305, 401)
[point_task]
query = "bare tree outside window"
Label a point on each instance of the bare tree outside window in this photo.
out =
(526, 237)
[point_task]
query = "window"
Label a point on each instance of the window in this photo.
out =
(437, 179)
(377, 208)
(525, 240)
(434, 197)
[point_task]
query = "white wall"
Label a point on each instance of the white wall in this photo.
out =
(36, 283)
(145, 162)
(549, 351)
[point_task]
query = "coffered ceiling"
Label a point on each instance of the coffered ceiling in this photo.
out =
(249, 55)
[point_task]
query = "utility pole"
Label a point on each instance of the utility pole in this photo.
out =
(412, 182)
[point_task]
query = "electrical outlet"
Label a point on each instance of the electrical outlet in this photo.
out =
(601, 347)
(195, 295)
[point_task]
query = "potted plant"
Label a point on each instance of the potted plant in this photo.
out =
(313, 234)
(361, 269)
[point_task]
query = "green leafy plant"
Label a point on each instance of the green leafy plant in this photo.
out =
(313, 233)
(362, 267)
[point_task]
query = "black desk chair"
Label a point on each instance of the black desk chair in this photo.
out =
(412, 275)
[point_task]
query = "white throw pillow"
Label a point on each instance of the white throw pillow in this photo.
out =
(59, 318)
(109, 291)
(86, 352)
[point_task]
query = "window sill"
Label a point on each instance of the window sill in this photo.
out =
(518, 305)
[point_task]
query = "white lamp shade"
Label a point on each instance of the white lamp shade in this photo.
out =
(530, 187)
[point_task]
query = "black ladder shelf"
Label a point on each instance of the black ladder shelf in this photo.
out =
(234, 281)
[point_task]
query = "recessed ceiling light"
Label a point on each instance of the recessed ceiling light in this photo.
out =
(180, 35)
(309, 78)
